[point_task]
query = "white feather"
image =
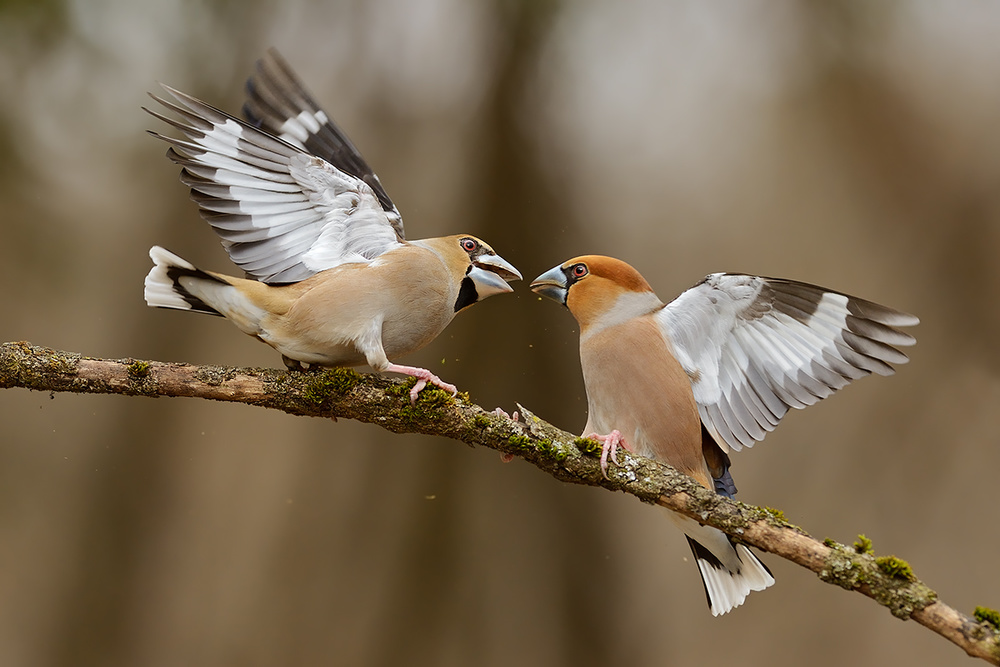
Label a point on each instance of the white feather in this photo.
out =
(317, 216)
(741, 574)
(729, 325)
(159, 290)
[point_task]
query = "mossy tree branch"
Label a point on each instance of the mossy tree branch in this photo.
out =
(337, 393)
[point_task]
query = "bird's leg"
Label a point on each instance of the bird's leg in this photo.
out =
(292, 364)
(423, 377)
(610, 444)
(300, 366)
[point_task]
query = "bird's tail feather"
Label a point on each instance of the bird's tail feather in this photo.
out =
(729, 571)
(163, 288)
(727, 589)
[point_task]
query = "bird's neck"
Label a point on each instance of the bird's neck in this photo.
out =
(626, 306)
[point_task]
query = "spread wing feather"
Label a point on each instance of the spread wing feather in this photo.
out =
(282, 214)
(755, 347)
(279, 103)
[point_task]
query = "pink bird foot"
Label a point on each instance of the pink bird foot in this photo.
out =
(611, 442)
(423, 377)
(499, 412)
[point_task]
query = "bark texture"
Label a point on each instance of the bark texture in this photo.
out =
(343, 393)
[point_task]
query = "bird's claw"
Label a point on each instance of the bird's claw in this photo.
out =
(499, 412)
(424, 377)
(506, 457)
(434, 380)
(293, 364)
(609, 447)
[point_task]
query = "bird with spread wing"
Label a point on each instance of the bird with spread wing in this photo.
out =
(711, 372)
(330, 278)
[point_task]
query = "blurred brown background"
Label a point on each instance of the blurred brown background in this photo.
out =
(850, 144)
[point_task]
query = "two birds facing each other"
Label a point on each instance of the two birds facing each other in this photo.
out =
(332, 281)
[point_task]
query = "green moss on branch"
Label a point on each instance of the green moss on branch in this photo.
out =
(343, 393)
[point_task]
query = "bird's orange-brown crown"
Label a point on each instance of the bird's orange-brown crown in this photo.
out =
(592, 296)
(619, 272)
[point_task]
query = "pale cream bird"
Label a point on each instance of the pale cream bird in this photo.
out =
(711, 372)
(331, 280)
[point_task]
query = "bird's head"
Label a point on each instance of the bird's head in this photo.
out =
(482, 272)
(597, 289)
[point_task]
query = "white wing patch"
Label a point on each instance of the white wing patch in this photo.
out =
(755, 347)
(297, 130)
(278, 102)
(282, 214)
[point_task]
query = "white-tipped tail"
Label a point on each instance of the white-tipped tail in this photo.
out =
(726, 589)
(729, 571)
(161, 291)
(163, 288)
(176, 283)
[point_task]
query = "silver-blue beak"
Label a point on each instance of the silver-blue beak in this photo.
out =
(499, 266)
(551, 284)
(491, 273)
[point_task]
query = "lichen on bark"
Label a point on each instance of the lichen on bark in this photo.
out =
(343, 393)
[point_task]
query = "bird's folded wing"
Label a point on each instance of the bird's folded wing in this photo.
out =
(754, 347)
(278, 103)
(283, 214)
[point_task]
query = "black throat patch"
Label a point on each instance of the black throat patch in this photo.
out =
(467, 294)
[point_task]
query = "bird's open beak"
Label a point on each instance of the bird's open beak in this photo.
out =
(551, 284)
(491, 273)
(499, 266)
